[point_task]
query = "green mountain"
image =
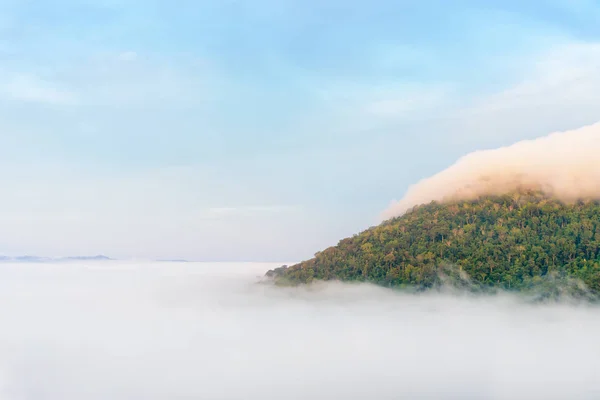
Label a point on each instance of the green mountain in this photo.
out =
(510, 242)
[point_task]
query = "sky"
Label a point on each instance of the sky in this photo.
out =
(264, 130)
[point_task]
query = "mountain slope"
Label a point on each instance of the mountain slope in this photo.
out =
(505, 241)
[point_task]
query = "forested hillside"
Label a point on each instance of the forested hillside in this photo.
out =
(507, 241)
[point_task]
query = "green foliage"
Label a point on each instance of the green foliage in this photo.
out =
(505, 241)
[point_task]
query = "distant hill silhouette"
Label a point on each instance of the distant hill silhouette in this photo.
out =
(33, 259)
(88, 258)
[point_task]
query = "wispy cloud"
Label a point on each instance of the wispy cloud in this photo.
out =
(411, 102)
(558, 89)
(114, 79)
(30, 88)
(240, 211)
(129, 79)
(354, 107)
(568, 75)
(128, 56)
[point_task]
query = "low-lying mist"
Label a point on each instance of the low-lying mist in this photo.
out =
(563, 164)
(126, 331)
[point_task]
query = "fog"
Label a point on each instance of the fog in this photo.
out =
(126, 331)
(563, 164)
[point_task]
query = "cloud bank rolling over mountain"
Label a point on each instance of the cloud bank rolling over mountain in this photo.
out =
(563, 164)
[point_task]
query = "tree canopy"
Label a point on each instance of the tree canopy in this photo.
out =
(508, 241)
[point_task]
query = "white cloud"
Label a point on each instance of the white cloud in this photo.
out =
(133, 331)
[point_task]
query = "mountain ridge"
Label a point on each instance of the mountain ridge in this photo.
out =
(510, 242)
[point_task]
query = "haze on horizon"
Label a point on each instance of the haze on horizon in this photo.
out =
(264, 130)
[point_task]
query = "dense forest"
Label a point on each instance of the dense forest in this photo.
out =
(510, 242)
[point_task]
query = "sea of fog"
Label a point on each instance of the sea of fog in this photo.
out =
(129, 331)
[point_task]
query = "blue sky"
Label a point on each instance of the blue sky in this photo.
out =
(264, 130)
